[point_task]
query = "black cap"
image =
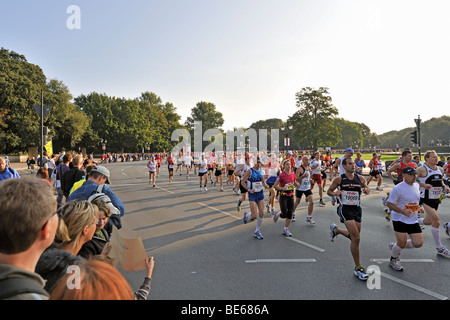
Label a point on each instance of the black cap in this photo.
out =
(409, 170)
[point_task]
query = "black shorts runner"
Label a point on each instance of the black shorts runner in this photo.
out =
(406, 228)
(349, 213)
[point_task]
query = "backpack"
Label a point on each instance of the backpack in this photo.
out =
(11, 287)
(115, 212)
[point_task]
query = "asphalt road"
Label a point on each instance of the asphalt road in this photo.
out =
(203, 251)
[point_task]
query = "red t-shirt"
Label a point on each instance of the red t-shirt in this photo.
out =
(285, 179)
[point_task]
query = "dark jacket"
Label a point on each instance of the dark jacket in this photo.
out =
(69, 178)
(53, 263)
(94, 246)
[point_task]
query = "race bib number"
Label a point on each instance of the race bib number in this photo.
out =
(306, 183)
(290, 186)
(170, 166)
(413, 206)
(258, 186)
(434, 193)
(350, 198)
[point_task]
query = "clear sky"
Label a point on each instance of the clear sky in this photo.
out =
(384, 62)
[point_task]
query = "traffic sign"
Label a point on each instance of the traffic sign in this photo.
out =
(46, 110)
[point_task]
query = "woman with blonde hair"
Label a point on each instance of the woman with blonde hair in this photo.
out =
(77, 225)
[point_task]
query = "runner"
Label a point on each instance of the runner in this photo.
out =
(273, 172)
(348, 153)
(431, 187)
(211, 164)
(398, 166)
(188, 163)
(180, 163)
(202, 172)
(303, 176)
(240, 172)
(170, 162)
(219, 172)
(375, 167)
(254, 183)
(360, 164)
(316, 171)
(151, 165)
(348, 188)
(158, 160)
(404, 204)
(230, 171)
(285, 184)
(324, 171)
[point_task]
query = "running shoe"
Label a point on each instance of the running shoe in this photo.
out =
(447, 229)
(379, 189)
(268, 207)
(200, 189)
(360, 273)
(443, 252)
(258, 235)
(321, 202)
(287, 233)
(293, 217)
(441, 197)
(245, 220)
(387, 215)
(238, 208)
(206, 189)
(310, 220)
(333, 201)
(333, 233)
(275, 217)
(394, 263)
(384, 200)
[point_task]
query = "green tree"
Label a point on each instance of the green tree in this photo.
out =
(351, 133)
(313, 124)
(67, 123)
(208, 115)
(20, 88)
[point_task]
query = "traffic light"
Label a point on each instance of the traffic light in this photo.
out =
(414, 137)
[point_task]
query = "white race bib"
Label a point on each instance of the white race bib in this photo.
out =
(350, 198)
(434, 193)
(258, 186)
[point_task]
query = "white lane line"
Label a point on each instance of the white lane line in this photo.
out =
(415, 287)
(403, 260)
(306, 244)
(228, 214)
(164, 189)
(280, 260)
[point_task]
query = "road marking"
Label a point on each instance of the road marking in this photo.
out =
(279, 260)
(165, 189)
(415, 287)
(228, 214)
(402, 260)
(306, 244)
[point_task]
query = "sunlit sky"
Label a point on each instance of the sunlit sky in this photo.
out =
(384, 62)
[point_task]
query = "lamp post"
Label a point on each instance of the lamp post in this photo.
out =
(418, 121)
(104, 145)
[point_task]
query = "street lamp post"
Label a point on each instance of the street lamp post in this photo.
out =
(104, 145)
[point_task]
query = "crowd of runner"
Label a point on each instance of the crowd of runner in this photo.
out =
(287, 178)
